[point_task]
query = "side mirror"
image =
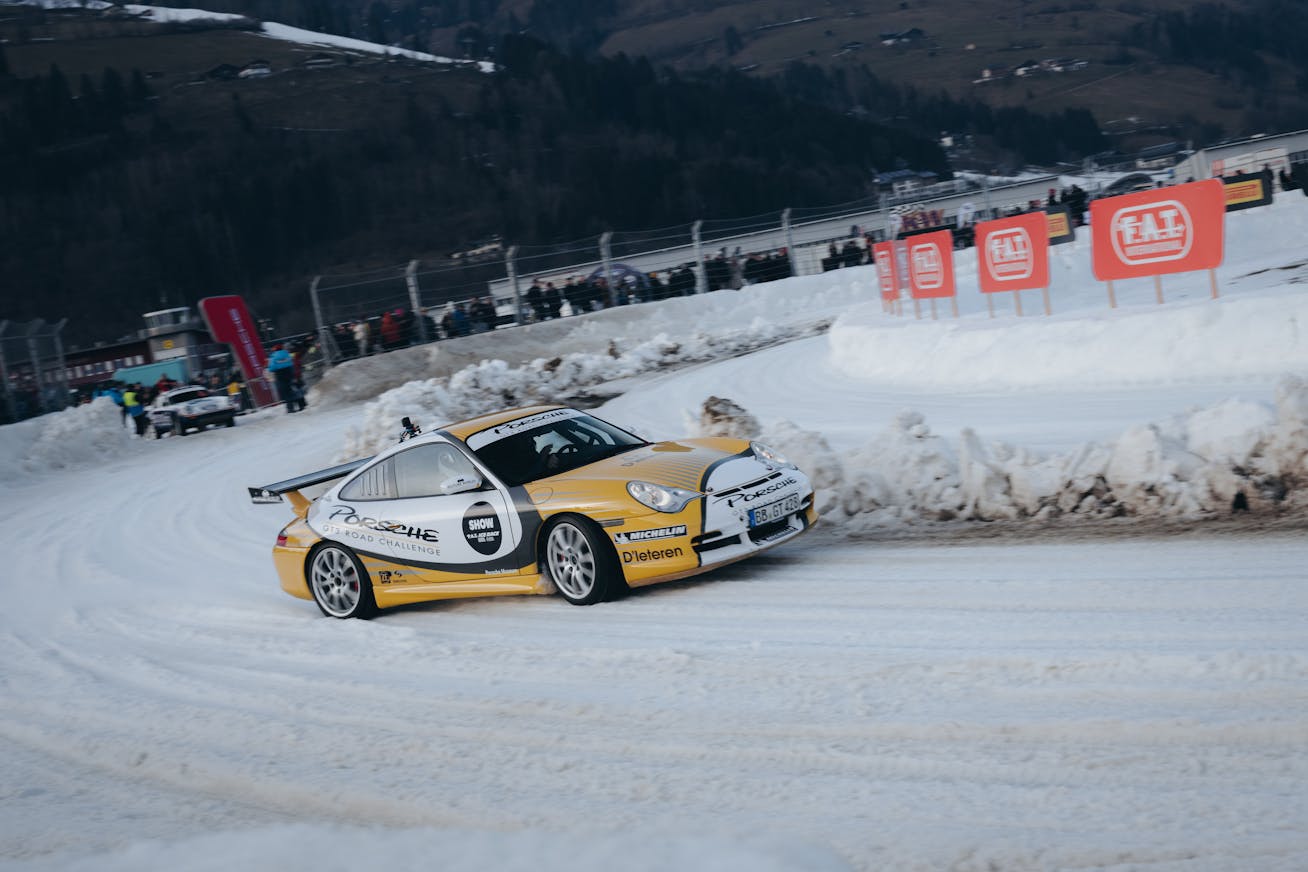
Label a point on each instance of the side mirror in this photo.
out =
(461, 483)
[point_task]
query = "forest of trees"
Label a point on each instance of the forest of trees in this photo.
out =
(115, 201)
(1230, 41)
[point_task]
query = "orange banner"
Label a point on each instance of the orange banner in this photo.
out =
(883, 253)
(1159, 231)
(1013, 253)
(931, 265)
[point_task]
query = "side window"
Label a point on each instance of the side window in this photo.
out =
(377, 482)
(420, 471)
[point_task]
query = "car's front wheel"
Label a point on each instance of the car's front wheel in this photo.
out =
(580, 562)
(339, 583)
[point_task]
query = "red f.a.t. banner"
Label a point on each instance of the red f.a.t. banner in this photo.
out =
(229, 321)
(1013, 253)
(883, 254)
(931, 265)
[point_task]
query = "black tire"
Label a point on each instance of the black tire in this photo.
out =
(579, 560)
(339, 583)
(231, 422)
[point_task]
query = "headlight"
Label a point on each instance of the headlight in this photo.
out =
(764, 453)
(659, 497)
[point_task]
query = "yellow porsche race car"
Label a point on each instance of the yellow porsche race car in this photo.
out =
(531, 500)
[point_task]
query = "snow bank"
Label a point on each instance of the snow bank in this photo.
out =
(494, 384)
(1234, 456)
(1229, 338)
(767, 312)
(92, 433)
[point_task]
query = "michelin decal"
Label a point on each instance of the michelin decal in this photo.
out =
(632, 536)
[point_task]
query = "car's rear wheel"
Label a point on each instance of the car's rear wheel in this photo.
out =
(339, 583)
(580, 562)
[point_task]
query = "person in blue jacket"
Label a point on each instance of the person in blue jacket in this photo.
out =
(282, 366)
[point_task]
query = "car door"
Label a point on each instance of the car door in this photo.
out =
(440, 515)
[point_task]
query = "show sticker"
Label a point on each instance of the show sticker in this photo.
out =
(481, 527)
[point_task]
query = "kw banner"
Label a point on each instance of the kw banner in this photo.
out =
(1061, 228)
(883, 254)
(931, 265)
(1013, 253)
(1247, 190)
(1159, 231)
(229, 321)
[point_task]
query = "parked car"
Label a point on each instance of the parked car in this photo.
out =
(191, 407)
(532, 500)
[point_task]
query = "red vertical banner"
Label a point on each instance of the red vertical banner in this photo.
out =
(931, 265)
(883, 254)
(229, 321)
(1013, 253)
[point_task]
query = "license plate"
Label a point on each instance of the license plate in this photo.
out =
(774, 511)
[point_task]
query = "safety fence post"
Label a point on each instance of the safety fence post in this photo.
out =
(11, 405)
(701, 274)
(415, 299)
(606, 258)
(790, 241)
(511, 270)
(326, 341)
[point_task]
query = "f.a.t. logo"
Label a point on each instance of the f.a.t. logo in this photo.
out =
(1009, 254)
(1152, 233)
(925, 262)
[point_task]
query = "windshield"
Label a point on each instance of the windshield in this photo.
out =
(187, 396)
(558, 445)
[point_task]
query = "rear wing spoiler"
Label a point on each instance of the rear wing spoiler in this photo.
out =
(272, 493)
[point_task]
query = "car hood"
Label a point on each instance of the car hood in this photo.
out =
(684, 464)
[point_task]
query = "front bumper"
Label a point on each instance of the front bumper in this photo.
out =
(655, 548)
(207, 418)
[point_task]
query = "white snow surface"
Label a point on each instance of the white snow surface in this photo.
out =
(1111, 680)
(270, 29)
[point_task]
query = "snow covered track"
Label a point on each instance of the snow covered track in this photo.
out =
(909, 706)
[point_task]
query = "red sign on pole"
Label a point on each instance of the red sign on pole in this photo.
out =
(1013, 253)
(883, 254)
(1160, 231)
(229, 321)
(931, 265)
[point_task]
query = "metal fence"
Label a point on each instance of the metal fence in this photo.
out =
(413, 302)
(33, 373)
